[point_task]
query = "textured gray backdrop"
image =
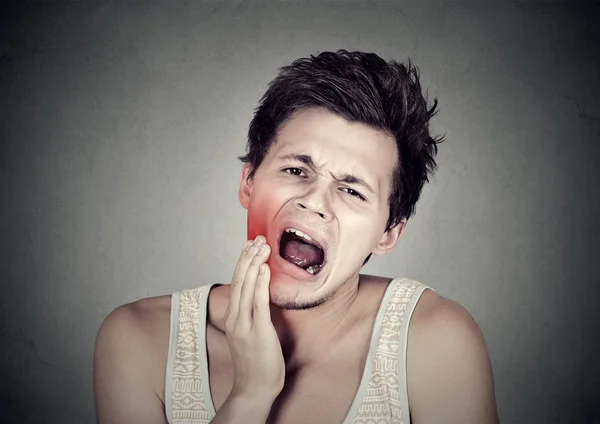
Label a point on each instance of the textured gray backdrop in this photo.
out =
(120, 127)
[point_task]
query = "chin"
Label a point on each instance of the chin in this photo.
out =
(296, 300)
(288, 293)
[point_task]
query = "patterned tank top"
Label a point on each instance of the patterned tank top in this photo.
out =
(382, 395)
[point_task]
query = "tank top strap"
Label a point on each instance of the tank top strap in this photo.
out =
(405, 301)
(386, 396)
(185, 379)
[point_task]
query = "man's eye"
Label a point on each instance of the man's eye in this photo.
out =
(355, 193)
(293, 171)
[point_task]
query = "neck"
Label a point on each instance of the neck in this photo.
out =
(306, 334)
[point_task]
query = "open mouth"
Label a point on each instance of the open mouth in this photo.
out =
(301, 250)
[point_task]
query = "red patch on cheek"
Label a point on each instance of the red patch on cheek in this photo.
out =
(257, 226)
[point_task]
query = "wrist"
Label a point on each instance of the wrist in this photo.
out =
(254, 408)
(252, 399)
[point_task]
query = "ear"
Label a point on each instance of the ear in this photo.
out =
(245, 187)
(389, 239)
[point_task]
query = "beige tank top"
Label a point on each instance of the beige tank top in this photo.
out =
(382, 394)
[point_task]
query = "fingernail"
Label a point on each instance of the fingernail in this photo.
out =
(262, 249)
(259, 240)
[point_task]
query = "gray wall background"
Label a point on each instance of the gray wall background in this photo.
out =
(120, 127)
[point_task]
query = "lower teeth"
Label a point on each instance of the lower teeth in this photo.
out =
(313, 269)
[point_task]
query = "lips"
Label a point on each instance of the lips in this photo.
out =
(317, 240)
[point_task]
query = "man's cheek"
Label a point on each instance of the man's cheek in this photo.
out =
(257, 221)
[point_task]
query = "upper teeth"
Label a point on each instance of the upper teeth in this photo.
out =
(298, 233)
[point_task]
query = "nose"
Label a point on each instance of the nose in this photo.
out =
(314, 201)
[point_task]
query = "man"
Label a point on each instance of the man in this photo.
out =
(339, 150)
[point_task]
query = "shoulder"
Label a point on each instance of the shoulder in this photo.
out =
(439, 318)
(448, 364)
(130, 355)
(138, 323)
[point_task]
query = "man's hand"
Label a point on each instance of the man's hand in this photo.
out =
(255, 348)
(259, 368)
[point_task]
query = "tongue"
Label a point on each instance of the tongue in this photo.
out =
(302, 254)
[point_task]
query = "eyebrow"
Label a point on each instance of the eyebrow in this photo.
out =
(307, 160)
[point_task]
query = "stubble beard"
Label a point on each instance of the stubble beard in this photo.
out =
(300, 304)
(305, 304)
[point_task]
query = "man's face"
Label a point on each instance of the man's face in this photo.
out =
(304, 183)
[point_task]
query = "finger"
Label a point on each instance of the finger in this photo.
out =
(246, 257)
(239, 274)
(262, 298)
(237, 283)
(247, 298)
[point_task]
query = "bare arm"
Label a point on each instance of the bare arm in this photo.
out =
(449, 371)
(125, 363)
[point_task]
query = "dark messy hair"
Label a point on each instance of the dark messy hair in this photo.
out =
(362, 88)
